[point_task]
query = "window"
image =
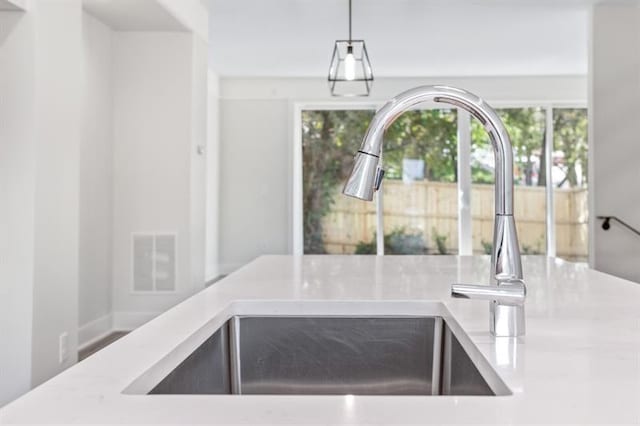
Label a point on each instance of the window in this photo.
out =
(333, 223)
(420, 201)
(569, 178)
(526, 127)
(419, 208)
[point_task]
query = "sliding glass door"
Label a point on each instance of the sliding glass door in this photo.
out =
(420, 202)
(421, 205)
(526, 127)
(332, 223)
(569, 180)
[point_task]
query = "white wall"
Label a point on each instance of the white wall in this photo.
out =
(255, 181)
(58, 86)
(198, 162)
(256, 131)
(154, 140)
(96, 189)
(17, 189)
(41, 85)
(63, 193)
(212, 269)
(191, 13)
(145, 129)
(13, 5)
(614, 132)
(496, 89)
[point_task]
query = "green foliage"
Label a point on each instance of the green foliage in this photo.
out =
(331, 137)
(481, 175)
(430, 135)
(440, 240)
(527, 249)
(534, 249)
(329, 141)
(570, 138)
(487, 247)
(526, 128)
(367, 247)
(399, 241)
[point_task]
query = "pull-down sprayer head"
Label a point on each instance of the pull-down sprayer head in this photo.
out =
(366, 176)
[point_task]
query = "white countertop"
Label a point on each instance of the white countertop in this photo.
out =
(578, 363)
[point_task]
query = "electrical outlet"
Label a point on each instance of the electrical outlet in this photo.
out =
(63, 347)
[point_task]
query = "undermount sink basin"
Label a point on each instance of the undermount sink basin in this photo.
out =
(325, 355)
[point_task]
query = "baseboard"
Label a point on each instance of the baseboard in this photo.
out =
(212, 272)
(94, 331)
(128, 321)
(100, 328)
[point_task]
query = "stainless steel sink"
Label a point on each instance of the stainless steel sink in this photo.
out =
(325, 355)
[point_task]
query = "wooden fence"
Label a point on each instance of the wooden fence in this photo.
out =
(431, 208)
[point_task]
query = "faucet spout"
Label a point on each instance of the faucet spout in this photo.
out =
(367, 157)
(366, 176)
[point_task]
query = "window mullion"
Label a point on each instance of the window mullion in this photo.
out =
(380, 220)
(465, 245)
(550, 211)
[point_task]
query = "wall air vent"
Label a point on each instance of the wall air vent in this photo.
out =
(154, 262)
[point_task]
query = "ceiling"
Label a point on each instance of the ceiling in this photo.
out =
(140, 15)
(405, 38)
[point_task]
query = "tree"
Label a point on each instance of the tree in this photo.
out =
(527, 133)
(570, 138)
(329, 141)
(480, 146)
(331, 138)
(429, 135)
(526, 129)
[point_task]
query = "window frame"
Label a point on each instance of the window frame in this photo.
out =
(465, 236)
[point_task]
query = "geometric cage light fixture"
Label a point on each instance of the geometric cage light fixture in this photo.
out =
(350, 72)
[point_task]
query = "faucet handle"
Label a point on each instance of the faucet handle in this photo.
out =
(378, 178)
(506, 302)
(507, 292)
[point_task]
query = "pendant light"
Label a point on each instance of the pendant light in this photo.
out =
(350, 71)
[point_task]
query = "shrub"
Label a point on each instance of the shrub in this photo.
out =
(399, 241)
(487, 247)
(440, 240)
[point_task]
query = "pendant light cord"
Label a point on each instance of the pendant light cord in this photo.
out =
(349, 20)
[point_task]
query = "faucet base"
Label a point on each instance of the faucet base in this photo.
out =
(507, 320)
(505, 257)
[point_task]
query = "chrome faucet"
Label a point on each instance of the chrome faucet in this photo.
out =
(507, 290)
